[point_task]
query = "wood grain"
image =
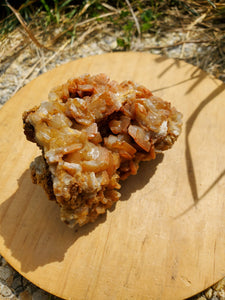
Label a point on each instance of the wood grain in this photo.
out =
(165, 239)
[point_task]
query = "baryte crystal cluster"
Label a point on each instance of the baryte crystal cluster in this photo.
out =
(93, 132)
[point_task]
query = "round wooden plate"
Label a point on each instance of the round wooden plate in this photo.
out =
(165, 239)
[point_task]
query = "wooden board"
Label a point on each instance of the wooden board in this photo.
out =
(165, 239)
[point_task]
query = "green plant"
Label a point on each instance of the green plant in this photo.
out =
(147, 17)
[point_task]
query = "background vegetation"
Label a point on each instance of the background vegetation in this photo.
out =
(148, 16)
(48, 22)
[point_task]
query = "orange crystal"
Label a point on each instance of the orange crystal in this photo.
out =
(94, 132)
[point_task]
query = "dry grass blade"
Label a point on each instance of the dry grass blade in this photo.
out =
(14, 51)
(197, 21)
(179, 43)
(21, 83)
(134, 17)
(109, 7)
(190, 28)
(56, 53)
(28, 31)
(90, 30)
(96, 18)
(81, 24)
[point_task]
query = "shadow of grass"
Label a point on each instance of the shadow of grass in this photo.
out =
(189, 161)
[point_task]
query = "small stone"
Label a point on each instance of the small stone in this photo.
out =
(5, 273)
(25, 295)
(17, 284)
(221, 294)
(201, 298)
(209, 293)
(9, 280)
(31, 288)
(4, 262)
(214, 298)
(25, 282)
(113, 45)
(219, 285)
(5, 291)
(40, 295)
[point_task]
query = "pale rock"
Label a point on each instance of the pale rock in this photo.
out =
(221, 294)
(25, 295)
(209, 293)
(5, 291)
(5, 274)
(219, 285)
(17, 284)
(214, 298)
(40, 295)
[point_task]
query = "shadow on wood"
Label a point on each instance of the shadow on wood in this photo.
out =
(189, 162)
(32, 251)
